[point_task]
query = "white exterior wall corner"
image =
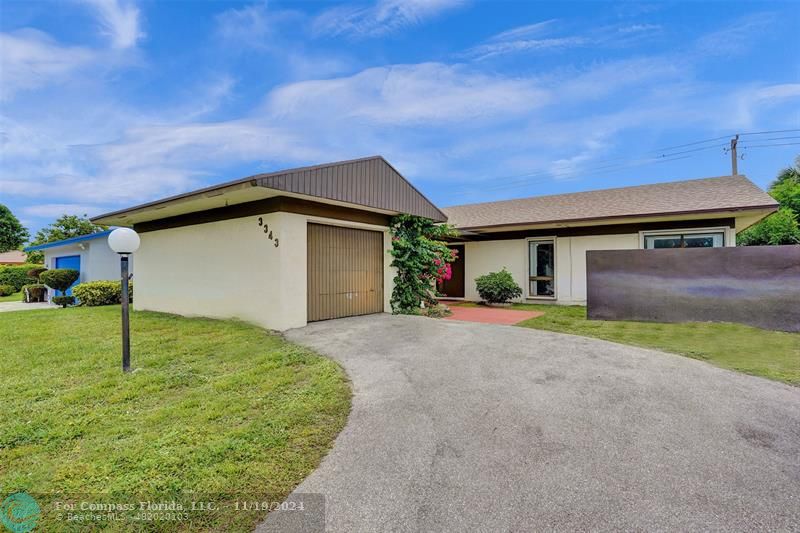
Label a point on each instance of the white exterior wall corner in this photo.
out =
(231, 269)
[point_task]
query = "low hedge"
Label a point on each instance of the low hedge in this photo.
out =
(6, 289)
(104, 292)
(17, 275)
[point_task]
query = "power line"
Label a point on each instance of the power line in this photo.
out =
(692, 144)
(546, 175)
(665, 155)
(623, 162)
(776, 138)
(767, 145)
(769, 132)
(578, 172)
(697, 149)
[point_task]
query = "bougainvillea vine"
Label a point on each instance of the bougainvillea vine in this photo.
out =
(422, 260)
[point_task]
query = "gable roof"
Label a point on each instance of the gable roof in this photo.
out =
(726, 193)
(69, 241)
(369, 182)
(13, 257)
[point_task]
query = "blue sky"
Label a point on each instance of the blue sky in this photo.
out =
(109, 103)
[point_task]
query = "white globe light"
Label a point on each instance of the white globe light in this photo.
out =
(123, 240)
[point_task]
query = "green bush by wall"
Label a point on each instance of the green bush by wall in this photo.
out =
(6, 289)
(104, 292)
(498, 287)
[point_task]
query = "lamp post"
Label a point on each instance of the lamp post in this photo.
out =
(124, 241)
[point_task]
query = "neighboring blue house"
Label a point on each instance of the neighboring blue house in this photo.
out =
(88, 254)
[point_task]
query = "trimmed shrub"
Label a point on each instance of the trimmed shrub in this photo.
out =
(17, 275)
(498, 287)
(63, 301)
(35, 292)
(105, 292)
(7, 290)
(34, 273)
(60, 279)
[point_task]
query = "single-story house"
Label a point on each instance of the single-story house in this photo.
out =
(289, 247)
(13, 257)
(276, 249)
(543, 240)
(88, 254)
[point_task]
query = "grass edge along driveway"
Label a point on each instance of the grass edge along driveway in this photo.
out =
(770, 354)
(759, 352)
(213, 407)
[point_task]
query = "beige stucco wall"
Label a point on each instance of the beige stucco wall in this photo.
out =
(230, 269)
(490, 256)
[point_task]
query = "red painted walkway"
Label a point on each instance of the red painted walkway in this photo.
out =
(490, 315)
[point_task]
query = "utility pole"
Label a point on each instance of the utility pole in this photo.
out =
(734, 158)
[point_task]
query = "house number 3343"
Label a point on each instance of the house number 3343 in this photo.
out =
(268, 232)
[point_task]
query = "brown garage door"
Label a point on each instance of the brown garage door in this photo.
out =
(345, 272)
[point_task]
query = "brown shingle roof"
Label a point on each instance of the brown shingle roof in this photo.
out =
(724, 193)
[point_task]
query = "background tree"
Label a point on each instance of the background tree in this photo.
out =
(65, 227)
(786, 188)
(782, 227)
(12, 233)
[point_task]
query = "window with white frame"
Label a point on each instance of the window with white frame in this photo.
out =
(710, 239)
(541, 269)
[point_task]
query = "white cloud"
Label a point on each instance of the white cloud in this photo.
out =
(257, 27)
(540, 37)
(429, 93)
(451, 122)
(385, 16)
(638, 28)
(488, 50)
(208, 98)
(31, 59)
(524, 32)
(748, 103)
(56, 210)
(119, 20)
(734, 37)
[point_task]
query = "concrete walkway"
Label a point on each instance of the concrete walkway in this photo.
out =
(21, 306)
(459, 426)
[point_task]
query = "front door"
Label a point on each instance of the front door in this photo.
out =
(454, 287)
(69, 261)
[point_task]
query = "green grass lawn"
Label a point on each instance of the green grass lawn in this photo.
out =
(770, 354)
(16, 297)
(220, 409)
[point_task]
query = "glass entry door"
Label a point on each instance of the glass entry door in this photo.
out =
(541, 269)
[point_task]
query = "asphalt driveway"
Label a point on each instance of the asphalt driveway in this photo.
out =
(473, 427)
